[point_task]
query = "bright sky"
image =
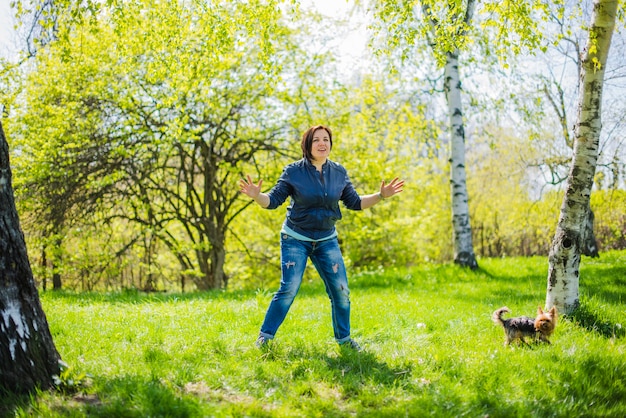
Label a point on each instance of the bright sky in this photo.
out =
(351, 46)
(6, 28)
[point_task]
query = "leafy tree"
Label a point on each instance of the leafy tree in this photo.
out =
(64, 136)
(507, 219)
(205, 99)
(446, 28)
(28, 357)
(565, 251)
(450, 29)
(551, 93)
(388, 133)
(501, 29)
(611, 220)
(184, 96)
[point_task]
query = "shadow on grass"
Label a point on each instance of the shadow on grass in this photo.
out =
(590, 319)
(71, 402)
(126, 396)
(132, 396)
(351, 368)
(12, 402)
(356, 368)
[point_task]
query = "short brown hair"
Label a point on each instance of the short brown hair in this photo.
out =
(307, 140)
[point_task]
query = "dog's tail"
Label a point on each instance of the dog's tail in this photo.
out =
(497, 315)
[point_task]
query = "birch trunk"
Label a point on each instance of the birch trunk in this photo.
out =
(590, 244)
(28, 357)
(462, 230)
(566, 247)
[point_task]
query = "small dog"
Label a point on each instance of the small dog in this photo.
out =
(517, 328)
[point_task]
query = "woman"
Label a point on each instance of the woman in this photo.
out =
(315, 185)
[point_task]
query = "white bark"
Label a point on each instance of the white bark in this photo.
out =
(461, 227)
(463, 245)
(566, 248)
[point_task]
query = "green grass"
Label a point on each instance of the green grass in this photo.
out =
(430, 350)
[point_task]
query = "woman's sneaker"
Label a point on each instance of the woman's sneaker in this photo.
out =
(261, 342)
(352, 345)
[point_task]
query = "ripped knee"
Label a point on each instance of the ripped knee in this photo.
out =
(344, 290)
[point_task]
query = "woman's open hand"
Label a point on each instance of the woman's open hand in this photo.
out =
(394, 187)
(248, 187)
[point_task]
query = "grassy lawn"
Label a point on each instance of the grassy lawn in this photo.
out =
(430, 349)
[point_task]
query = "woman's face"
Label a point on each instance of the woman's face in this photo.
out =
(320, 146)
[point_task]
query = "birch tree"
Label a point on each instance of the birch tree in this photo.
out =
(566, 248)
(557, 101)
(496, 30)
(461, 226)
(446, 28)
(28, 357)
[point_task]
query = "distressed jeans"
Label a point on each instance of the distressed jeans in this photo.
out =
(327, 259)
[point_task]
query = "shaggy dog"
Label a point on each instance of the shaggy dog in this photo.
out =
(539, 328)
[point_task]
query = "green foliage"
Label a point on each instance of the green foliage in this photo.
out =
(517, 25)
(506, 219)
(430, 349)
(502, 28)
(610, 220)
(388, 137)
(512, 214)
(9, 86)
(148, 114)
(112, 116)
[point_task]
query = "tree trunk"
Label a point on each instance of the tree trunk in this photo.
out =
(564, 258)
(218, 258)
(56, 278)
(212, 267)
(590, 244)
(28, 357)
(44, 267)
(462, 230)
(56, 262)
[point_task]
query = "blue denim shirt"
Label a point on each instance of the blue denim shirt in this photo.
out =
(315, 196)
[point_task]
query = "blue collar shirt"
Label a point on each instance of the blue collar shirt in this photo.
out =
(314, 206)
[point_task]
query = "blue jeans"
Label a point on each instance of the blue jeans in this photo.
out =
(327, 259)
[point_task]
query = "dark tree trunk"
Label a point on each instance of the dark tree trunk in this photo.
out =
(56, 261)
(44, 266)
(589, 243)
(28, 357)
(56, 280)
(212, 267)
